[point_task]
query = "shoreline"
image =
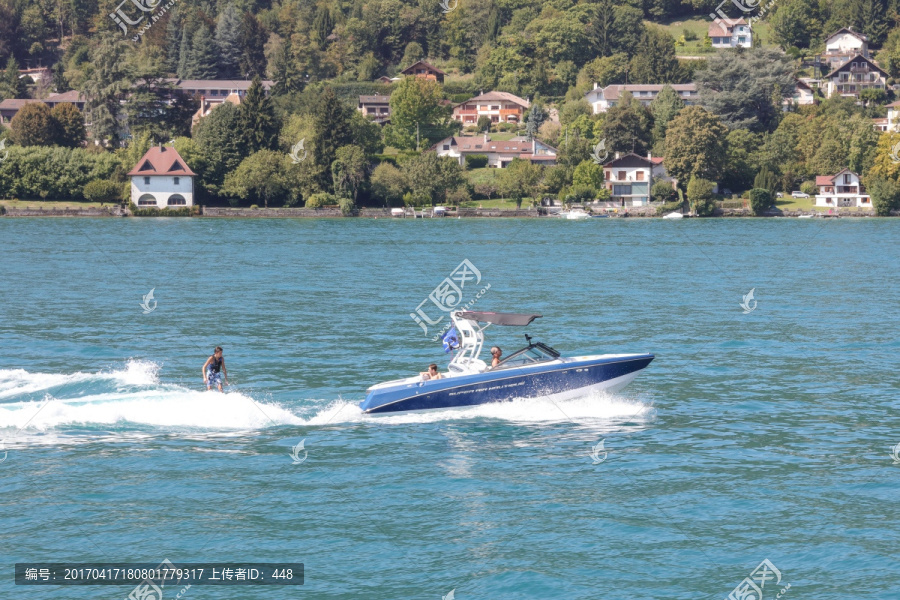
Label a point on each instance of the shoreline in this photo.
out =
(216, 212)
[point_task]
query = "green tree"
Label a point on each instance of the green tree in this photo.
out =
(664, 108)
(69, 124)
(416, 109)
(33, 126)
(108, 86)
(11, 86)
(739, 87)
(656, 62)
(348, 171)
(700, 196)
(519, 179)
(484, 123)
(884, 165)
(603, 71)
(430, 177)
(260, 176)
(366, 134)
(695, 145)
(534, 118)
(766, 180)
(228, 42)
(331, 120)
(627, 127)
(252, 40)
(760, 200)
(259, 127)
(885, 195)
(412, 55)
(388, 184)
(588, 174)
(220, 144)
(662, 191)
(742, 147)
(796, 23)
(204, 56)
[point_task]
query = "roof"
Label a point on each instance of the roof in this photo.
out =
(614, 91)
(894, 104)
(218, 84)
(161, 160)
(424, 64)
(718, 27)
(857, 58)
(71, 96)
(477, 145)
(855, 34)
(15, 103)
(829, 179)
(499, 318)
(498, 97)
(632, 158)
(376, 99)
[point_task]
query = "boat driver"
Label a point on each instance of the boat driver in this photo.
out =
(431, 373)
(496, 353)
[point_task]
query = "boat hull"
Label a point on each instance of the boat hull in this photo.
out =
(558, 381)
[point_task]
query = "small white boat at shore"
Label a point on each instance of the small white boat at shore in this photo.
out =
(674, 215)
(575, 214)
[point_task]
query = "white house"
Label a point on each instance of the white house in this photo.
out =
(843, 189)
(802, 95)
(161, 179)
(602, 99)
(629, 178)
(730, 33)
(842, 46)
(893, 116)
(499, 154)
(855, 75)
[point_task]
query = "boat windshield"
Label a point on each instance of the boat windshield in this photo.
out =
(526, 356)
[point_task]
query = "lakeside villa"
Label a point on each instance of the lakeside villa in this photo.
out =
(629, 177)
(842, 190)
(161, 179)
(499, 153)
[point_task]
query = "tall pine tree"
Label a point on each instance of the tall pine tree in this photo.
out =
(259, 127)
(228, 41)
(332, 130)
(203, 63)
(253, 40)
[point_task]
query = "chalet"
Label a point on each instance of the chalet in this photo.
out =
(499, 107)
(602, 99)
(842, 46)
(161, 179)
(499, 154)
(375, 107)
(802, 95)
(629, 178)
(425, 71)
(730, 33)
(843, 189)
(11, 106)
(858, 74)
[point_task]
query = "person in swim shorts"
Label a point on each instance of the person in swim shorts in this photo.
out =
(211, 370)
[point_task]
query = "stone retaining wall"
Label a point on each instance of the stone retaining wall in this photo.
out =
(38, 211)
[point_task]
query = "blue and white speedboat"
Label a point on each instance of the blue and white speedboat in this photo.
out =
(537, 370)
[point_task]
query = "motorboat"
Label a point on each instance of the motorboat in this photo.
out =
(674, 215)
(575, 214)
(535, 371)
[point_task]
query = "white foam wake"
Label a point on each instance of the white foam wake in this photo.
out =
(18, 382)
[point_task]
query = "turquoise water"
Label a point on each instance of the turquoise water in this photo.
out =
(765, 435)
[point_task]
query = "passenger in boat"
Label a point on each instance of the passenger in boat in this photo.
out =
(496, 353)
(211, 368)
(431, 373)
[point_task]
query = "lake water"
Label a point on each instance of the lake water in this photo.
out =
(753, 435)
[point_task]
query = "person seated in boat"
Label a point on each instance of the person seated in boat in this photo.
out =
(496, 353)
(431, 373)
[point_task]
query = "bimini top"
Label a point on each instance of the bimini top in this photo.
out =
(499, 318)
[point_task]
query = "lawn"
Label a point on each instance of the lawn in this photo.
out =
(50, 204)
(501, 203)
(485, 175)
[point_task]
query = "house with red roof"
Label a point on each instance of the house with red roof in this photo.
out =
(730, 33)
(499, 107)
(161, 179)
(424, 70)
(499, 153)
(841, 190)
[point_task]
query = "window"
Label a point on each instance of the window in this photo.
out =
(621, 190)
(608, 175)
(446, 146)
(621, 176)
(847, 178)
(639, 175)
(177, 200)
(147, 200)
(146, 181)
(177, 180)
